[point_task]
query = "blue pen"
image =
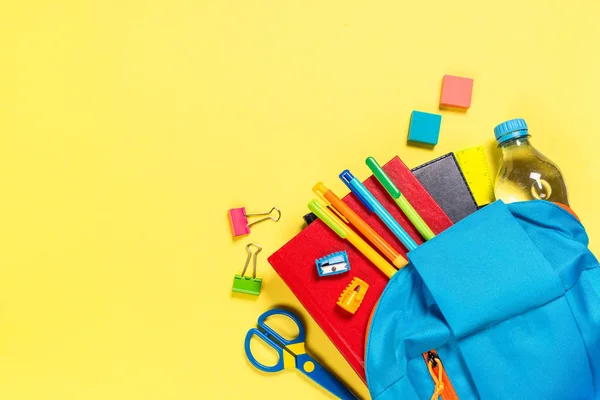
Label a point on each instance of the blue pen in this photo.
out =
(373, 205)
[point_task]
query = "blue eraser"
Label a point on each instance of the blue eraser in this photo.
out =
(333, 264)
(424, 128)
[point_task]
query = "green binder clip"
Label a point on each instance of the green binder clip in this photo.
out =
(245, 284)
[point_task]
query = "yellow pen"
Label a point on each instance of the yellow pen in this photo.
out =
(345, 232)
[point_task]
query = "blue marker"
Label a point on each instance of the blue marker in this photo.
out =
(375, 206)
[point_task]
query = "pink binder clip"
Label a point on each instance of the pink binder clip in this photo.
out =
(239, 219)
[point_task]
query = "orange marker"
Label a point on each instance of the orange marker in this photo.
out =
(346, 213)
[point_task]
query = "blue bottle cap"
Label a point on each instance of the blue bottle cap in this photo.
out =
(512, 129)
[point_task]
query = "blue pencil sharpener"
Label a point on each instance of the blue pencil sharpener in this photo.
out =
(333, 264)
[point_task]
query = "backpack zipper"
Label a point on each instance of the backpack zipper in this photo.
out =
(443, 386)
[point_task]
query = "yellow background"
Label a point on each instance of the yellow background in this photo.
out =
(129, 128)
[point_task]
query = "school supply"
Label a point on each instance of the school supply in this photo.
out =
(404, 205)
(524, 172)
(309, 218)
(339, 207)
(345, 232)
(424, 128)
(292, 353)
(238, 219)
(333, 264)
(507, 304)
(363, 194)
(444, 181)
(352, 297)
(245, 284)
(456, 92)
(474, 166)
(294, 262)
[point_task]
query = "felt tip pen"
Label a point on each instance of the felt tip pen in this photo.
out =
(375, 206)
(337, 205)
(345, 232)
(401, 200)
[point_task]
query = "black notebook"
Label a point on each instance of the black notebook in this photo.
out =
(444, 181)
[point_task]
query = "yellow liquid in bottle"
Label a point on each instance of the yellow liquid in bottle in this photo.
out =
(526, 174)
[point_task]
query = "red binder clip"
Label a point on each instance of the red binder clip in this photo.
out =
(239, 219)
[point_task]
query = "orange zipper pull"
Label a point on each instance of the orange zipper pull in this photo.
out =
(443, 386)
(433, 362)
(431, 358)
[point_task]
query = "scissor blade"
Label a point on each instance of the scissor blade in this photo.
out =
(315, 371)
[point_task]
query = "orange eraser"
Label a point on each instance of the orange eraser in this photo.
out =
(456, 92)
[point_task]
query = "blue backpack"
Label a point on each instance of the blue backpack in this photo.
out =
(503, 305)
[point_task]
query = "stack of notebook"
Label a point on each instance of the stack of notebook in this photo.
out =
(295, 262)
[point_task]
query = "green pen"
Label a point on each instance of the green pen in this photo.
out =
(402, 202)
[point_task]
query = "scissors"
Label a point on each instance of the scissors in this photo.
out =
(292, 354)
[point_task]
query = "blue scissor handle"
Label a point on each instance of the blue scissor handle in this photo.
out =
(275, 368)
(323, 377)
(301, 338)
(305, 363)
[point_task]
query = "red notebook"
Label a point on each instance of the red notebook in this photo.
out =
(295, 262)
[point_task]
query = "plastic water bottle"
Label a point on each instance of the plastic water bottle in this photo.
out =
(525, 173)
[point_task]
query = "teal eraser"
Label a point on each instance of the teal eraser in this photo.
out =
(424, 128)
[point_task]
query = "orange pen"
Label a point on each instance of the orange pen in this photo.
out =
(346, 213)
